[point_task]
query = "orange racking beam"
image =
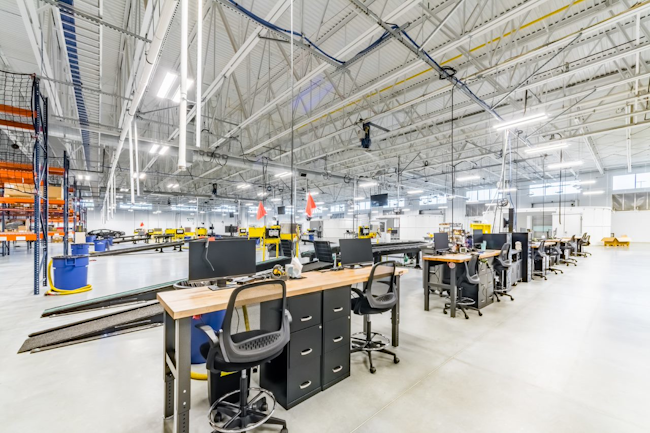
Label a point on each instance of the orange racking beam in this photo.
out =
(17, 111)
(18, 125)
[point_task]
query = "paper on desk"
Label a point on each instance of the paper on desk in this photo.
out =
(297, 267)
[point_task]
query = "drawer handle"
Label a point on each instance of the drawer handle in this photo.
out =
(307, 351)
(337, 369)
(305, 384)
(306, 319)
(337, 339)
(338, 309)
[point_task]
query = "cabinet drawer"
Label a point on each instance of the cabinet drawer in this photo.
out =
(336, 303)
(336, 365)
(336, 334)
(303, 379)
(305, 345)
(305, 311)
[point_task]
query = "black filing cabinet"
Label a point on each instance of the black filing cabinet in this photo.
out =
(318, 353)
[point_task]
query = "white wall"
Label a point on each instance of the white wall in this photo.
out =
(129, 221)
(415, 227)
(632, 223)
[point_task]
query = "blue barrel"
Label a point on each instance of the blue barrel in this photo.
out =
(90, 238)
(215, 320)
(100, 245)
(109, 240)
(311, 237)
(80, 249)
(70, 272)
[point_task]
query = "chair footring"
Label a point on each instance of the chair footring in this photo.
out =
(226, 417)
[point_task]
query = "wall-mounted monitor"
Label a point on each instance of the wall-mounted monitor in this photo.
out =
(379, 200)
(280, 210)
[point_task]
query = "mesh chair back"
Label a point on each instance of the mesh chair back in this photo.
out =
(380, 288)
(287, 247)
(471, 270)
(244, 337)
(505, 252)
(323, 251)
(541, 251)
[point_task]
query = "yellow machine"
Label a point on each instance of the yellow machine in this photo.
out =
(243, 232)
(256, 232)
(179, 234)
(365, 233)
(201, 231)
(487, 228)
(271, 237)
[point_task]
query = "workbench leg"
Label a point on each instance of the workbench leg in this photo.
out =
(395, 314)
(452, 290)
(177, 376)
(168, 357)
(425, 283)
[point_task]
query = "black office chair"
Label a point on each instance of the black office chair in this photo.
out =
(467, 288)
(539, 256)
(556, 254)
(378, 296)
(502, 264)
(286, 246)
(569, 249)
(240, 351)
(323, 251)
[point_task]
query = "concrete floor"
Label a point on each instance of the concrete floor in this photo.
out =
(570, 354)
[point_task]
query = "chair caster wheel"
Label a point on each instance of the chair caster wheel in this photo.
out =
(445, 312)
(264, 407)
(480, 314)
(498, 300)
(396, 361)
(284, 430)
(218, 417)
(373, 370)
(466, 317)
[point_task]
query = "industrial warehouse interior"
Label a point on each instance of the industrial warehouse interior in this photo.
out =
(326, 216)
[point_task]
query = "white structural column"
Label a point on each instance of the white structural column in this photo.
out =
(137, 160)
(182, 109)
(131, 166)
(199, 71)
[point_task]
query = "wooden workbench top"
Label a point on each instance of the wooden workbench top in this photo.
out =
(201, 300)
(460, 258)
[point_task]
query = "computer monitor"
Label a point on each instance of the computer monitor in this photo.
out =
(281, 210)
(477, 236)
(231, 229)
(379, 200)
(220, 259)
(441, 241)
(355, 251)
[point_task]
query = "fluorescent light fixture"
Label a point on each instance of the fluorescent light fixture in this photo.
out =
(546, 148)
(276, 199)
(320, 203)
(154, 148)
(358, 198)
(585, 182)
(163, 150)
(261, 194)
(471, 201)
(593, 192)
(166, 85)
(243, 186)
(143, 175)
(406, 210)
(173, 185)
(124, 189)
(508, 190)
(285, 174)
(119, 196)
(442, 207)
(490, 204)
(192, 201)
(202, 211)
(521, 121)
(415, 191)
(313, 193)
(464, 178)
(368, 184)
(565, 164)
(177, 94)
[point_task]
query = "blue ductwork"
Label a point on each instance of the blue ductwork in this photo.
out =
(70, 32)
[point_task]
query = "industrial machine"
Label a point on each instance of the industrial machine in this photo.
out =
(365, 233)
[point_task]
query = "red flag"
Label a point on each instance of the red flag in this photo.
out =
(260, 211)
(310, 205)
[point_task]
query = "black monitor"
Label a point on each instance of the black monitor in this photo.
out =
(379, 200)
(355, 251)
(231, 229)
(441, 241)
(280, 210)
(220, 259)
(477, 236)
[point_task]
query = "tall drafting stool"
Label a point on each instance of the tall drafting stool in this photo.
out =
(467, 284)
(567, 250)
(378, 296)
(502, 264)
(582, 243)
(539, 256)
(234, 351)
(556, 253)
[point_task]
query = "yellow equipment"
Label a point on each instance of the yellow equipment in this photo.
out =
(243, 232)
(487, 228)
(271, 237)
(365, 233)
(201, 231)
(256, 232)
(179, 234)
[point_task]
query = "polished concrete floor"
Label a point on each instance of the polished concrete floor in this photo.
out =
(570, 354)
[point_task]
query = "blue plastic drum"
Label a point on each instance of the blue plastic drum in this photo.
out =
(70, 272)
